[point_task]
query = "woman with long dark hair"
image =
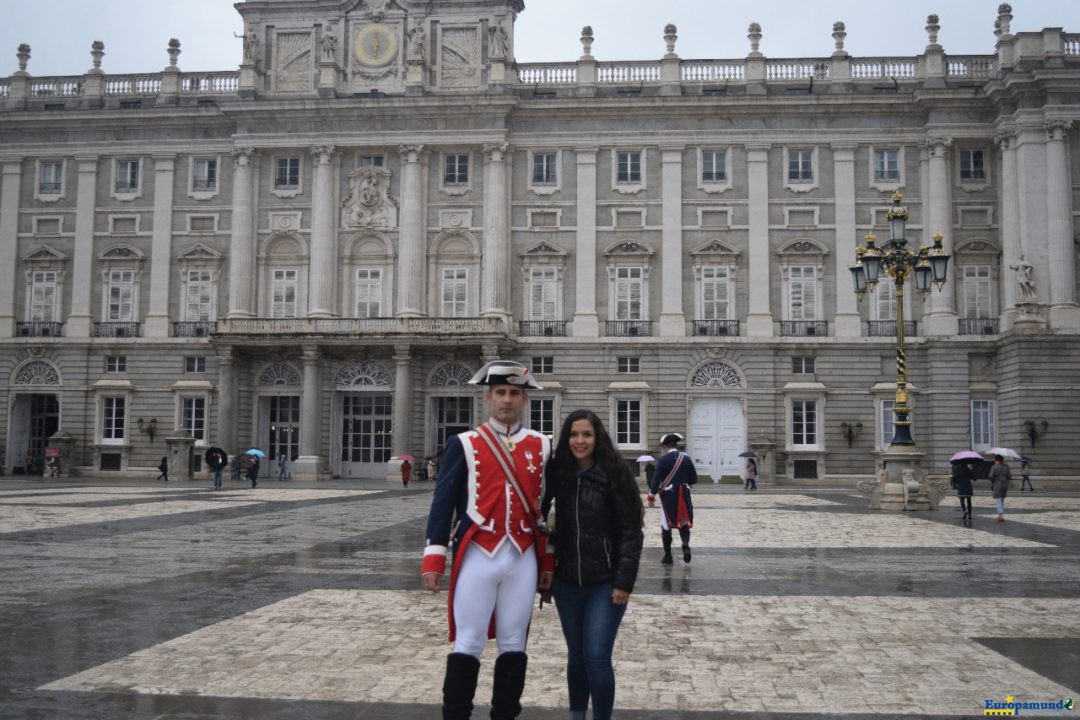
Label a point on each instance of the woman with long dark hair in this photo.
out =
(596, 549)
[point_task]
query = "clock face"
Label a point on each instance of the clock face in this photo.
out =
(375, 45)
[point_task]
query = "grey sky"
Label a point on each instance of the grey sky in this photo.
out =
(136, 32)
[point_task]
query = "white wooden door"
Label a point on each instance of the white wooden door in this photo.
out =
(717, 434)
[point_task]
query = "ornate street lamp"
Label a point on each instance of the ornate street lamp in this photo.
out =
(929, 265)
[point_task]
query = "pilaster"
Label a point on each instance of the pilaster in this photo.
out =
(759, 319)
(321, 279)
(9, 243)
(495, 266)
(157, 320)
(402, 420)
(80, 320)
(1010, 221)
(847, 322)
(226, 401)
(1064, 312)
(586, 322)
(1031, 190)
(672, 319)
(410, 275)
(242, 241)
(940, 318)
(308, 465)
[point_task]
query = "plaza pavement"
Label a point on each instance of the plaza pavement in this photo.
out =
(141, 600)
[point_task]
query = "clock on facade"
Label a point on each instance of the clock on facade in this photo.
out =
(375, 45)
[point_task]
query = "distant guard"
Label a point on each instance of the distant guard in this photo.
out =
(674, 475)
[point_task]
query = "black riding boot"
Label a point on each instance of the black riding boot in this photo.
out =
(459, 686)
(665, 536)
(508, 685)
(684, 533)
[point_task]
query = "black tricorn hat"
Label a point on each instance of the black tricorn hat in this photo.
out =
(671, 440)
(505, 372)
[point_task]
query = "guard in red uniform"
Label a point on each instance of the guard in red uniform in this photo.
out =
(490, 482)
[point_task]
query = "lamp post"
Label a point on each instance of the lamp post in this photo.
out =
(929, 265)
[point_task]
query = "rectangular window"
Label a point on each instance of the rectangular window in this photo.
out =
(113, 419)
(543, 293)
(629, 291)
(457, 170)
(804, 423)
(802, 365)
(43, 296)
(193, 417)
(627, 365)
(628, 423)
(115, 363)
(287, 174)
(120, 293)
(972, 168)
(205, 175)
(887, 429)
(543, 364)
(52, 177)
(127, 176)
(366, 161)
(714, 293)
(544, 169)
(983, 424)
(886, 166)
(368, 292)
(802, 293)
(884, 303)
(976, 291)
(542, 416)
(194, 364)
(800, 166)
(629, 170)
(713, 168)
(199, 292)
(455, 292)
(284, 294)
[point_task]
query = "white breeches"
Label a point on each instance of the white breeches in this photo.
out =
(504, 585)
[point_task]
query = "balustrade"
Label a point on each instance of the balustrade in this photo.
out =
(976, 68)
(360, 326)
(1072, 44)
(56, 87)
(132, 85)
(782, 70)
(214, 83)
(883, 69)
(979, 326)
(628, 72)
(560, 74)
(712, 71)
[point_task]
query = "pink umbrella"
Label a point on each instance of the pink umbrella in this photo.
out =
(407, 457)
(965, 455)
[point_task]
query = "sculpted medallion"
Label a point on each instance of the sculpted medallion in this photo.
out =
(368, 203)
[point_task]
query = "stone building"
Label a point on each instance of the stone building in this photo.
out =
(311, 254)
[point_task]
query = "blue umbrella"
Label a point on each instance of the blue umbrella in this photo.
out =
(257, 452)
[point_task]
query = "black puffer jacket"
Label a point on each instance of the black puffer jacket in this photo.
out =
(592, 542)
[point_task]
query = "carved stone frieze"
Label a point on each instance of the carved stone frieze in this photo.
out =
(368, 204)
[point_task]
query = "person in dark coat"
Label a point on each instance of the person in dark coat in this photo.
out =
(962, 475)
(163, 466)
(675, 474)
(593, 561)
(1025, 476)
(1000, 475)
(217, 460)
(253, 471)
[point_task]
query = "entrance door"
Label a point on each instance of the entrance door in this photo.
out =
(366, 424)
(283, 424)
(44, 422)
(717, 436)
(453, 415)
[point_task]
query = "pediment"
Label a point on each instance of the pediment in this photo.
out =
(977, 245)
(802, 246)
(715, 246)
(628, 247)
(121, 252)
(44, 254)
(544, 249)
(199, 253)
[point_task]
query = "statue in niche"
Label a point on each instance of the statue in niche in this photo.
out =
(499, 41)
(1025, 278)
(251, 46)
(368, 203)
(417, 44)
(329, 45)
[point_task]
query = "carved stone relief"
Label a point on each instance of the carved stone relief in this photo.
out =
(368, 203)
(293, 62)
(460, 57)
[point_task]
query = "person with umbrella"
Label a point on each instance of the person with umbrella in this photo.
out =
(253, 469)
(1000, 476)
(963, 472)
(675, 474)
(217, 460)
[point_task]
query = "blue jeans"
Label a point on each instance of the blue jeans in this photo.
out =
(590, 622)
(217, 478)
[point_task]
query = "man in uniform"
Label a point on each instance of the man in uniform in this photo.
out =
(491, 479)
(674, 475)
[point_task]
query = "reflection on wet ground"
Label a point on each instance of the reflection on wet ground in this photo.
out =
(128, 601)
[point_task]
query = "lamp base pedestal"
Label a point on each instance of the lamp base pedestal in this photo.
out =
(902, 484)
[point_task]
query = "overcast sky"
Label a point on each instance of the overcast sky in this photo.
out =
(136, 32)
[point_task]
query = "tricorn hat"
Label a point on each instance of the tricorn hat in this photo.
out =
(671, 439)
(505, 372)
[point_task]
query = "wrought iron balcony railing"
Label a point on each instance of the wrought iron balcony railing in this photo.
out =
(201, 328)
(804, 328)
(39, 328)
(116, 329)
(542, 328)
(628, 328)
(716, 327)
(979, 326)
(887, 328)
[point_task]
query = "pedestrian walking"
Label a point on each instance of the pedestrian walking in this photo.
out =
(406, 473)
(283, 468)
(593, 559)
(432, 467)
(163, 466)
(217, 460)
(492, 479)
(962, 475)
(675, 474)
(253, 471)
(1025, 476)
(237, 469)
(1000, 475)
(751, 474)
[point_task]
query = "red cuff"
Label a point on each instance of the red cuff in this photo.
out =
(434, 560)
(547, 563)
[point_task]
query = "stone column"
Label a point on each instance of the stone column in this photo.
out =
(79, 322)
(324, 254)
(672, 319)
(226, 402)
(586, 321)
(9, 256)
(759, 320)
(495, 264)
(1010, 222)
(242, 242)
(940, 318)
(1064, 312)
(308, 465)
(411, 240)
(402, 421)
(846, 323)
(1034, 229)
(157, 320)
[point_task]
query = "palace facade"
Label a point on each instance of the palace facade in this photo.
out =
(312, 254)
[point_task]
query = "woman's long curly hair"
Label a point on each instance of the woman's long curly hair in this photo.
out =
(563, 464)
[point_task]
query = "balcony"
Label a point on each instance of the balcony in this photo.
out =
(628, 328)
(887, 328)
(116, 329)
(49, 188)
(542, 328)
(716, 328)
(804, 328)
(197, 329)
(979, 326)
(39, 328)
(361, 326)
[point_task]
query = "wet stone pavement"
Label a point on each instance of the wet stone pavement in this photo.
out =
(143, 600)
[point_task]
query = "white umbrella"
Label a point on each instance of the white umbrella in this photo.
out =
(1003, 452)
